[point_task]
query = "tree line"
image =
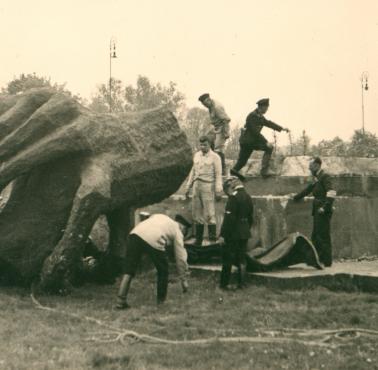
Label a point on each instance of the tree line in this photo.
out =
(146, 94)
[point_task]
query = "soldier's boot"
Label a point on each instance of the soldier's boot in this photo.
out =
(199, 234)
(241, 276)
(223, 161)
(212, 230)
(265, 162)
(225, 276)
(162, 287)
(123, 292)
(233, 172)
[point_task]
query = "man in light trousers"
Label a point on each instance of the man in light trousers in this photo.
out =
(206, 180)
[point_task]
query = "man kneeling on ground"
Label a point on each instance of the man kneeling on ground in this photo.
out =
(235, 230)
(151, 237)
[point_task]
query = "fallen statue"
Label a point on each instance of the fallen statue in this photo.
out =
(69, 165)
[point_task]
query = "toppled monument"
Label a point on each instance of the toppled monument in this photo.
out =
(69, 165)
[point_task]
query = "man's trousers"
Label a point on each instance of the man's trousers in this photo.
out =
(246, 151)
(203, 203)
(135, 248)
(321, 237)
(233, 253)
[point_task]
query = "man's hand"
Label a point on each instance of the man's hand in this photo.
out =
(187, 194)
(184, 286)
(221, 240)
(321, 210)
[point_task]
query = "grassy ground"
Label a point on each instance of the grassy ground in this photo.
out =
(32, 338)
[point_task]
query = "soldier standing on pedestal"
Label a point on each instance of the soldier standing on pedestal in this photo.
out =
(322, 209)
(206, 180)
(251, 139)
(221, 130)
(236, 230)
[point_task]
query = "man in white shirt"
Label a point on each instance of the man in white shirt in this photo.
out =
(206, 180)
(151, 237)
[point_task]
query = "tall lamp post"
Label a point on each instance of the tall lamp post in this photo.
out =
(112, 54)
(364, 87)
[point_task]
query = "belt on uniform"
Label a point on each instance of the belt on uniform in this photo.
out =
(208, 182)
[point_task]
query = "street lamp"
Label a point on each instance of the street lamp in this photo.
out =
(364, 87)
(112, 54)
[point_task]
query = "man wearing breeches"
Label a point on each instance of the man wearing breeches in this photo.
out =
(221, 126)
(206, 180)
(251, 139)
(235, 231)
(322, 209)
(152, 237)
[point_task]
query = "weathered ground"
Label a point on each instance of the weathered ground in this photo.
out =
(32, 338)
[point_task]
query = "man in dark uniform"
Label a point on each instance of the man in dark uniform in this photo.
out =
(322, 209)
(251, 139)
(235, 231)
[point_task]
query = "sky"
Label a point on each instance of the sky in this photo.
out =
(306, 56)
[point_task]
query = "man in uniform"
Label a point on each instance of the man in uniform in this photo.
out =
(322, 210)
(221, 126)
(206, 180)
(251, 139)
(151, 237)
(235, 231)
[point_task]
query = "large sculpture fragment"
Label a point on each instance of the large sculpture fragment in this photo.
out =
(69, 165)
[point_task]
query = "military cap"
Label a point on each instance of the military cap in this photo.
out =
(263, 102)
(229, 182)
(182, 220)
(203, 97)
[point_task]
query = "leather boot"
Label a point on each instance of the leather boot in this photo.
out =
(199, 234)
(123, 292)
(265, 163)
(241, 276)
(212, 229)
(223, 161)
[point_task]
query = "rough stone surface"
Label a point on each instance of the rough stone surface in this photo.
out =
(70, 165)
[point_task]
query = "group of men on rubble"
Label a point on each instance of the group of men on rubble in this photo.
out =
(208, 181)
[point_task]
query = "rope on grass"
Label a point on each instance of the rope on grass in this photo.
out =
(320, 338)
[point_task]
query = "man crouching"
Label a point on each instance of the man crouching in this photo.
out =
(151, 237)
(235, 231)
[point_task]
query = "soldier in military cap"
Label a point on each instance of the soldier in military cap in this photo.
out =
(220, 131)
(322, 209)
(251, 139)
(235, 231)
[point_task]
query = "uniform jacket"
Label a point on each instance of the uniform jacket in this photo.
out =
(254, 123)
(219, 118)
(238, 216)
(323, 193)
